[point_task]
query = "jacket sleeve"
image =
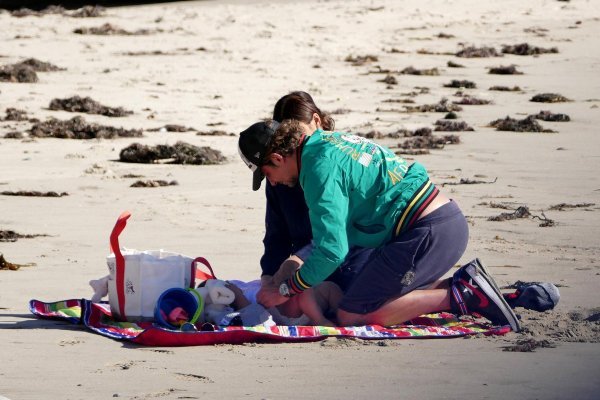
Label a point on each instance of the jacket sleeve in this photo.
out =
(277, 241)
(325, 190)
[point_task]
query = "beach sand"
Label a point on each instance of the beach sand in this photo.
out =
(222, 65)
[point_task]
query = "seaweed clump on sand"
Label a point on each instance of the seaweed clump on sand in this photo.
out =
(25, 71)
(455, 83)
(179, 153)
(14, 135)
(551, 117)
(452, 64)
(78, 128)
(478, 52)
(564, 206)
(520, 212)
(12, 236)
(467, 100)
(83, 12)
(88, 12)
(399, 133)
(40, 66)
(427, 142)
(215, 132)
(414, 71)
(17, 73)
(87, 105)
(528, 124)
(500, 88)
(525, 49)
(108, 29)
(11, 266)
(361, 60)
(14, 114)
(468, 181)
(154, 183)
(442, 106)
(33, 193)
(389, 79)
(172, 128)
(549, 98)
(505, 70)
(523, 212)
(443, 125)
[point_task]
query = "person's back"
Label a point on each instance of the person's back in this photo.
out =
(373, 185)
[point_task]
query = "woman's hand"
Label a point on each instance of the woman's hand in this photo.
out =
(287, 269)
(268, 295)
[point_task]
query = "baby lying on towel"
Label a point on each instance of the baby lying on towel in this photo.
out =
(308, 308)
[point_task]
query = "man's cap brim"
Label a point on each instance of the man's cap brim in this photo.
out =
(257, 178)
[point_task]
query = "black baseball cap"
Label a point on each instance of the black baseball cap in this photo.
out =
(253, 145)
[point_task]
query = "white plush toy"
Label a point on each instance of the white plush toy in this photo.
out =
(217, 299)
(100, 287)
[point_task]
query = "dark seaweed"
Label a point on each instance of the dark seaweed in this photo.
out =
(180, 153)
(506, 88)
(455, 83)
(551, 117)
(443, 125)
(478, 52)
(505, 70)
(33, 193)
(528, 124)
(442, 106)
(549, 98)
(525, 49)
(154, 183)
(87, 105)
(78, 128)
(414, 71)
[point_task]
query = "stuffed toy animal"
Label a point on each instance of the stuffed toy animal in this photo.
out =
(100, 287)
(217, 300)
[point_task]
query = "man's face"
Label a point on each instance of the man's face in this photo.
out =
(281, 170)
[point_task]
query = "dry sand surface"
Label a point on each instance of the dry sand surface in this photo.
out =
(221, 65)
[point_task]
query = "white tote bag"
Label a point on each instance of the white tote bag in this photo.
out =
(138, 278)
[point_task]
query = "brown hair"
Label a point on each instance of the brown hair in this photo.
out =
(300, 105)
(286, 138)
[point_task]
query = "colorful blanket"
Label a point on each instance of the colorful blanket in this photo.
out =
(97, 317)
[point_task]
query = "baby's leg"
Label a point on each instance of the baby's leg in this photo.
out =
(328, 295)
(318, 300)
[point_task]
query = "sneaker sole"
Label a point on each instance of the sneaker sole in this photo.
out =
(483, 269)
(489, 287)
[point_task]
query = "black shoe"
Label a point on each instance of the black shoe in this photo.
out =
(474, 290)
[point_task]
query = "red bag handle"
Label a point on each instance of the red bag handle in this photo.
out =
(119, 260)
(201, 275)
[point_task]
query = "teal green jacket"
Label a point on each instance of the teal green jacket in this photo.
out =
(356, 191)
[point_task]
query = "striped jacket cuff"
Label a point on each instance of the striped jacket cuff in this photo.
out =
(296, 284)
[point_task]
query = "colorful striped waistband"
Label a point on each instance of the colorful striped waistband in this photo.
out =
(416, 205)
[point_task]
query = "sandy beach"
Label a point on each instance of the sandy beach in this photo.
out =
(181, 71)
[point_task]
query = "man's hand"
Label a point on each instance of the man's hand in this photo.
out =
(268, 295)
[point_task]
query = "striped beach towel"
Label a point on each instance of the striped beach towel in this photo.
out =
(97, 317)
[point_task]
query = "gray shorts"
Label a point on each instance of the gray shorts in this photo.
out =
(413, 260)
